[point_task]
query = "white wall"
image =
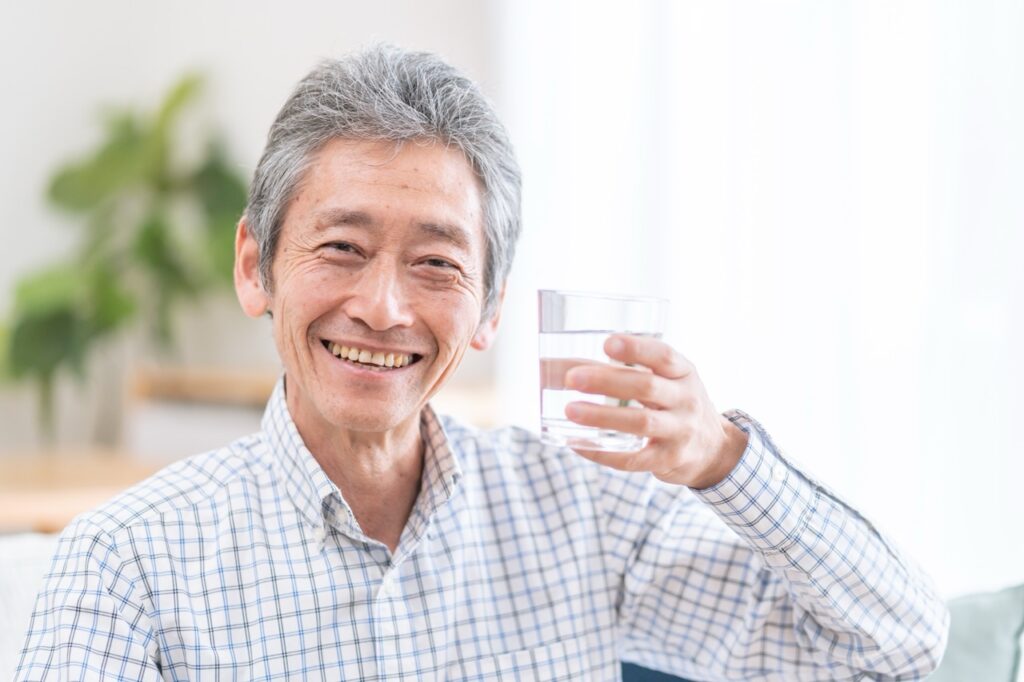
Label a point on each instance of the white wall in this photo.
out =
(830, 195)
(61, 61)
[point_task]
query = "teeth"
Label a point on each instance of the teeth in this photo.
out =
(367, 357)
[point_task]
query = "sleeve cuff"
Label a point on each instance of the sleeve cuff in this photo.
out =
(764, 499)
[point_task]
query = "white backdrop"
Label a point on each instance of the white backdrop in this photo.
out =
(830, 195)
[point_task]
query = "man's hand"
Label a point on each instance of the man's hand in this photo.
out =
(690, 442)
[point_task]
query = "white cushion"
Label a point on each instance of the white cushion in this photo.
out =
(24, 560)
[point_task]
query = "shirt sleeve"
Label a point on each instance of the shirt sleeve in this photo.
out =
(766, 575)
(87, 622)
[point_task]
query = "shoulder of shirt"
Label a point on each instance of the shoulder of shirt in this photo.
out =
(200, 480)
(520, 455)
(507, 446)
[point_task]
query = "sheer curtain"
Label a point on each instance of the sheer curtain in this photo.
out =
(829, 195)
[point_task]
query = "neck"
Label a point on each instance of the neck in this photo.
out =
(378, 474)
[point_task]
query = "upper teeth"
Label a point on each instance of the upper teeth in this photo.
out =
(369, 357)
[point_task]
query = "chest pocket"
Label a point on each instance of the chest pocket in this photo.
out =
(566, 659)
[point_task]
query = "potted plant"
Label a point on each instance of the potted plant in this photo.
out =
(156, 231)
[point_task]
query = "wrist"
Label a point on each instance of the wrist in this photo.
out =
(725, 458)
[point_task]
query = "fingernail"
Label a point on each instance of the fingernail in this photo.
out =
(574, 379)
(615, 345)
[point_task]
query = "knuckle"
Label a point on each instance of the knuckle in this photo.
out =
(648, 384)
(645, 420)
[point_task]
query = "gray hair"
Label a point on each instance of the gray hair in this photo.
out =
(384, 93)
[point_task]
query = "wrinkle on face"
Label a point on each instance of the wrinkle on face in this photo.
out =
(398, 208)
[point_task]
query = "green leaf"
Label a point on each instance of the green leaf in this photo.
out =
(122, 160)
(223, 196)
(221, 190)
(99, 238)
(5, 352)
(159, 138)
(56, 288)
(112, 305)
(41, 343)
(184, 91)
(159, 253)
(171, 278)
(221, 251)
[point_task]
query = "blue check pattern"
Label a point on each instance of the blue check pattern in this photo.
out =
(519, 561)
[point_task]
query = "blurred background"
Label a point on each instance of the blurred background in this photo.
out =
(828, 193)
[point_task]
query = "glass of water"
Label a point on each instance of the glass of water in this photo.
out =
(573, 328)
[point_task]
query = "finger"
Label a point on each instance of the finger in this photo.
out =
(553, 370)
(623, 461)
(625, 383)
(662, 358)
(635, 420)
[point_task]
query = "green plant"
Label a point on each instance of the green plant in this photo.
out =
(156, 231)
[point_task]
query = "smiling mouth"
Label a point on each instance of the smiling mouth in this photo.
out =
(370, 359)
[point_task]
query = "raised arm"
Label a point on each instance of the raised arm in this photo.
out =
(793, 585)
(734, 562)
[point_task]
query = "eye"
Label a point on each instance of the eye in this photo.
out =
(343, 246)
(439, 263)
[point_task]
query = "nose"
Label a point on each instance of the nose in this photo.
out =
(377, 299)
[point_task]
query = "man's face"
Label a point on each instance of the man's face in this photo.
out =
(381, 258)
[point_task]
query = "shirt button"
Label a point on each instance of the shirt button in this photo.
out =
(779, 473)
(318, 536)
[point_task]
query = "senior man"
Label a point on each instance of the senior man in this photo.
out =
(360, 536)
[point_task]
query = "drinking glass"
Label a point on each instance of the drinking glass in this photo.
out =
(573, 327)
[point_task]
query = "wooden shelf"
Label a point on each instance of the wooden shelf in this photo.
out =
(217, 386)
(42, 492)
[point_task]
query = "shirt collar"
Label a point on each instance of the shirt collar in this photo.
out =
(302, 476)
(309, 487)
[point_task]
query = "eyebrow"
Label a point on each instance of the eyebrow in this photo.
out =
(342, 216)
(449, 233)
(333, 217)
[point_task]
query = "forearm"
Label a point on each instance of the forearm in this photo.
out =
(853, 596)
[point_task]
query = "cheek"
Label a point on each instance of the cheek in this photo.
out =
(458, 328)
(294, 311)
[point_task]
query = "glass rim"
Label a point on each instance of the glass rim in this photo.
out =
(603, 296)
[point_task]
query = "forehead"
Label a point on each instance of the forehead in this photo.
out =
(374, 183)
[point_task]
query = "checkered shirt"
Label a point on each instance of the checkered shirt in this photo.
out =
(519, 561)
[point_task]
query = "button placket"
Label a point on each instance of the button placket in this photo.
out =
(387, 608)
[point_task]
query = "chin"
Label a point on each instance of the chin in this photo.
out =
(342, 416)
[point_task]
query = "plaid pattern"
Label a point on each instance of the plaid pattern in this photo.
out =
(519, 561)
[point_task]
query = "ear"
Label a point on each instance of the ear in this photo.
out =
(248, 288)
(488, 329)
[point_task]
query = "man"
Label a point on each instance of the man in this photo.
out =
(360, 536)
